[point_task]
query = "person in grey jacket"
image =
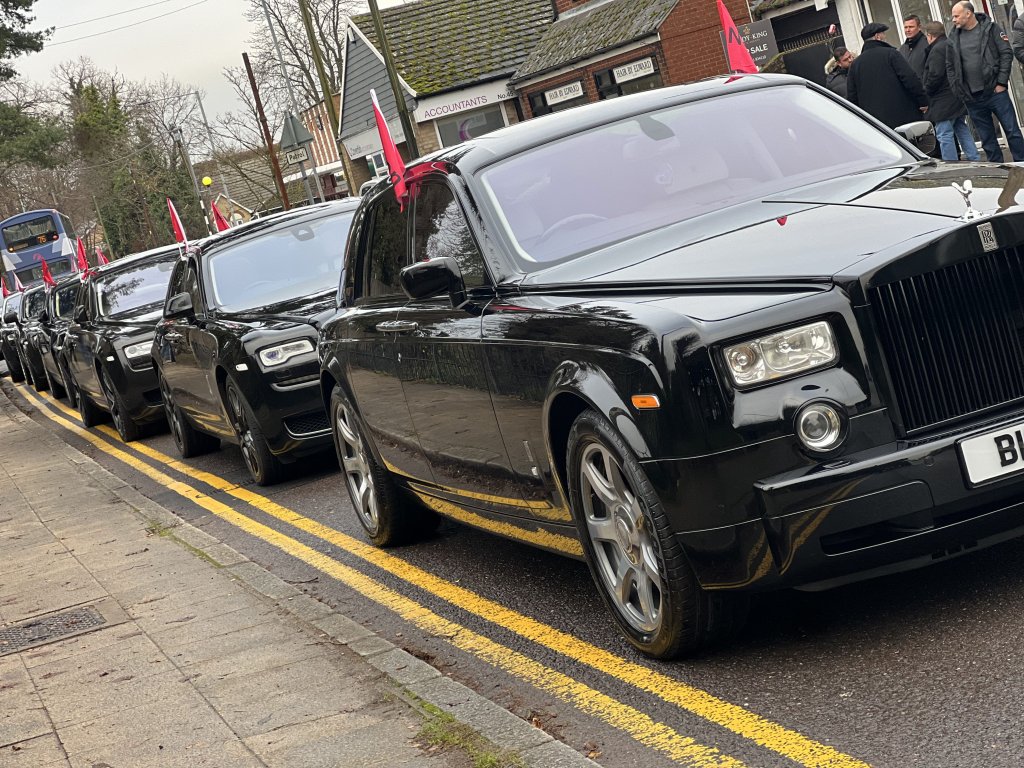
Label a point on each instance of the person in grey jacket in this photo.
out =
(978, 67)
(1017, 39)
(915, 47)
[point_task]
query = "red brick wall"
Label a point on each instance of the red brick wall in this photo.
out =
(587, 75)
(691, 39)
(561, 6)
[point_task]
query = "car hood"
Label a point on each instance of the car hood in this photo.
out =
(309, 310)
(808, 234)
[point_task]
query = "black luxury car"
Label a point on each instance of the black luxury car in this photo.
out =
(716, 338)
(236, 349)
(45, 334)
(107, 347)
(9, 336)
(33, 306)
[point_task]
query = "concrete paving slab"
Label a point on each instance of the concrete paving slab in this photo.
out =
(172, 638)
(342, 628)
(263, 648)
(40, 752)
(403, 667)
(22, 716)
(263, 581)
(93, 643)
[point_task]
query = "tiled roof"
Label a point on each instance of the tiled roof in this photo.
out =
(442, 45)
(606, 25)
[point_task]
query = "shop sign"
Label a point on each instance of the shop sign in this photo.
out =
(564, 93)
(367, 142)
(633, 70)
(476, 97)
(759, 37)
(299, 155)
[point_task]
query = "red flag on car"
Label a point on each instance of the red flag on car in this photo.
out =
(83, 264)
(179, 228)
(218, 218)
(100, 258)
(3, 285)
(47, 277)
(739, 58)
(17, 284)
(396, 166)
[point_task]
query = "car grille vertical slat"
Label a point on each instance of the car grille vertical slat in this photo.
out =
(953, 338)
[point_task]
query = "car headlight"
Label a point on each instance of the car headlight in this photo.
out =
(135, 351)
(282, 353)
(781, 354)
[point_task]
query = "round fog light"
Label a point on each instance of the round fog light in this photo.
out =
(819, 427)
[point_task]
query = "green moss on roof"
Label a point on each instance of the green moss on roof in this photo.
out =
(441, 45)
(603, 27)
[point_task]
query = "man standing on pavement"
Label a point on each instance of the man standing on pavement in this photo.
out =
(945, 110)
(882, 83)
(838, 69)
(978, 67)
(915, 47)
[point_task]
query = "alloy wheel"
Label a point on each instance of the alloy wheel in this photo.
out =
(245, 436)
(112, 402)
(171, 414)
(626, 550)
(356, 466)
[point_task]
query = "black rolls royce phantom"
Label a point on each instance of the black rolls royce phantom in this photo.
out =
(714, 339)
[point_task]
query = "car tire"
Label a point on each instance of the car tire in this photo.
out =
(14, 368)
(69, 384)
(264, 467)
(386, 517)
(92, 415)
(640, 570)
(189, 440)
(26, 369)
(39, 379)
(56, 388)
(126, 426)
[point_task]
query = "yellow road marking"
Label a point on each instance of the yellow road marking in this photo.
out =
(637, 724)
(764, 732)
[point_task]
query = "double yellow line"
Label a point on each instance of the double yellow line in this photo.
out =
(683, 749)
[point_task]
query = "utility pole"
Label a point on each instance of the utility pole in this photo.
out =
(408, 128)
(267, 138)
(99, 218)
(180, 140)
(213, 150)
(291, 98)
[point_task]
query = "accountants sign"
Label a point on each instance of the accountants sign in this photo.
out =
(477, 97)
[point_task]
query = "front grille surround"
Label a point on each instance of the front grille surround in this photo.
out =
(953, 339)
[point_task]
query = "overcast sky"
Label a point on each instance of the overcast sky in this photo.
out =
(192, 41)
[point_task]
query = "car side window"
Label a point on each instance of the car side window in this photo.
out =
(191, 287)
(386, 251)
(440, 229)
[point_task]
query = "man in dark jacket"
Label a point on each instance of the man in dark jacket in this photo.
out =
(978, 67)
(915, 47)
(837, 70)
(945, 110)
(882, 83)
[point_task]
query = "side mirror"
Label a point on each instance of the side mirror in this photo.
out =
(920, 133)
(179, 306)
(80, 315)
(10, 318)
(429, 278)
(44, 317)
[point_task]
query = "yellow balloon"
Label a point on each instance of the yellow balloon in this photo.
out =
(207, 181)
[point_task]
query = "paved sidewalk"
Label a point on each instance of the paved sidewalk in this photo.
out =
(123, 644)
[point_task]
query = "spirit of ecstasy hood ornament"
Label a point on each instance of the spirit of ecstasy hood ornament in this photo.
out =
(966, 190)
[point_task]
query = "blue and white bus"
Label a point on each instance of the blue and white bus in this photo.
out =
(29, 237)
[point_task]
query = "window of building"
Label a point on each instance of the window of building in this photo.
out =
(377, 164)
(468, 125)
(633, 77)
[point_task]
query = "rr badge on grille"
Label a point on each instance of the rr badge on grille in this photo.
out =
(988, 237)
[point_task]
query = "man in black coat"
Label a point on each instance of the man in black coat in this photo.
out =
(837, 69)
(945, 110)
(882, 83)
(978, 67)
(915, 47)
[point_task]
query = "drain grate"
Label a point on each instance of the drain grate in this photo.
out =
(32, 632)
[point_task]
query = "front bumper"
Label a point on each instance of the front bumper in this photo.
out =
(880, 510)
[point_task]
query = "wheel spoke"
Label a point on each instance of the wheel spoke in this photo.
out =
(347, 433)
(645, 592)
(602, 529)
(599, 485)
(615, 478)
(354, 466)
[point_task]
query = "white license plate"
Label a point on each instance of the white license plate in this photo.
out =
(993, 454)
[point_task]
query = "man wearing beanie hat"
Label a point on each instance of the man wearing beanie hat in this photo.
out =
(882, 83)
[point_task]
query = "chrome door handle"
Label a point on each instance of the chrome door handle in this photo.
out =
(173, 336)
(397, 326)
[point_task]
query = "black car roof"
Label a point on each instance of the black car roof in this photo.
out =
(476, 153)
(127, 261)
(251, 230)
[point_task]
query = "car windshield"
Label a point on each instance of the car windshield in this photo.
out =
(573, 196)
(64, 300)
(35, 302)
(281, 264)
(131, 289)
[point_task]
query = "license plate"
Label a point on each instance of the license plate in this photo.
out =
(994, 454)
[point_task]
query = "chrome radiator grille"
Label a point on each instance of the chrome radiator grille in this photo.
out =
(953, 339)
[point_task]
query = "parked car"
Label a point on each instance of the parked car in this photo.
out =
(236, 349)
(33, 304)
(51, 335)
(9, 336)
(108, 341)
(714, 339)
